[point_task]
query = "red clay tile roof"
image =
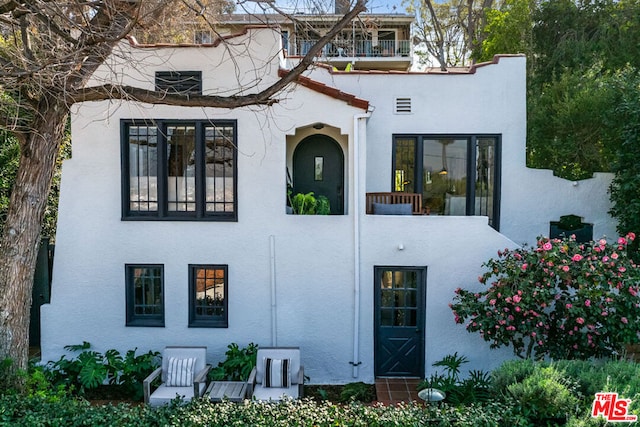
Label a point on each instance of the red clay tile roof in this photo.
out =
(328, 90)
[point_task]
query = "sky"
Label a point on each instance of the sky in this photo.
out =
(374, 6)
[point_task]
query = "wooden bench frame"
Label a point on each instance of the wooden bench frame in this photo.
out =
(415, 199)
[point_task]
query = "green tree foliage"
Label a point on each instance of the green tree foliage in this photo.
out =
(625, 188)
(577, 52)
(508, 30)
(573, 125)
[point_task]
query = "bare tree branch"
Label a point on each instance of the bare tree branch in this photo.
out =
(110, 91)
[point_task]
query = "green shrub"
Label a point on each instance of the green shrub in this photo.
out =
(19, 411)
(546, 394)
(474, 388)
(511, 372)
(561, 299)
(91, 369)
(541, 390)
(357, 392)
(620, 376)
(238, 364)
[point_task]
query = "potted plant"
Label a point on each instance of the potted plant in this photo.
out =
(308, 204)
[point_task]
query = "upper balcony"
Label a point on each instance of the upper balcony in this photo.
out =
(370, 42)
(362, 54)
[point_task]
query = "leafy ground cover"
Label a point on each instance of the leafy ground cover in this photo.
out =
(520, 393)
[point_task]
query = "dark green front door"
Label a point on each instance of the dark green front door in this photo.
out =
(399, 321)
(318, 166)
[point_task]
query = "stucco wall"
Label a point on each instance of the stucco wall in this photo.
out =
(93, 244)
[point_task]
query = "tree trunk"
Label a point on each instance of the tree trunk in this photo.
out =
(21, 234)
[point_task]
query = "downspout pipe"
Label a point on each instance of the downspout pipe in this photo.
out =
(357, 193)
(272, 282)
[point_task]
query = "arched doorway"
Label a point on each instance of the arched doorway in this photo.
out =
(318, 166)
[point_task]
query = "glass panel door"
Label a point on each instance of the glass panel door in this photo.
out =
(445, 176)
(399, 325)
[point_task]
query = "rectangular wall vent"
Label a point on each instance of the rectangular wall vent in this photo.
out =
(179, 82)
(403, 106)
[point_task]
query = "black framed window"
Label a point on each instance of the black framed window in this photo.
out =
(144, 294)
(208, 296)
(456, 174)
(179, 170)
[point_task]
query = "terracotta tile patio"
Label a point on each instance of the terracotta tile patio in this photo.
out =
(390, 391)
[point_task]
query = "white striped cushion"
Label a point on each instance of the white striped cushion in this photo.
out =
(276, 373)
(180, 372)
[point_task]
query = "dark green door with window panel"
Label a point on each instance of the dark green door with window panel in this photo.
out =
(399, 321)
(318, 166)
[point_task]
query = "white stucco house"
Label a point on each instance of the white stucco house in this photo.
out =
(174, 229)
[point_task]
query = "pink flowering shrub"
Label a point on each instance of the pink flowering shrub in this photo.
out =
(561, 299)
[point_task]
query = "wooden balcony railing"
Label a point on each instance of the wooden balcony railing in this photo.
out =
(415, 199)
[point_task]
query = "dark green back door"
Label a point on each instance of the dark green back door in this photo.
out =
(318, 166)
(399, 321)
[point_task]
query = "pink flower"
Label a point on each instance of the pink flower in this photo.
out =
(547, 246)
(624, 320)
(632, 291)
(622, 241)
(602, 242)
(565, 268)
(631, 236)
(492, 302)
(568, 306)
(588, 303)
(540, 342)
(604, 313)
(524, 266)
(622, 269)
(517, 298)
(518, 309)
(576, 257)
(614, 255)
(605, 259)
(580, 320)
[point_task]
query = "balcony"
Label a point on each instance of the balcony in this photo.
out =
(384, 55)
